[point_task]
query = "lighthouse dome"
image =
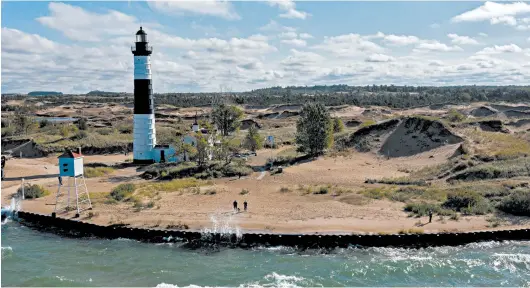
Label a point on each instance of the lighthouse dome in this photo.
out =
(141, 32)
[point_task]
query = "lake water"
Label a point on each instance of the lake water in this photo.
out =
(31, 258)
(56, 119)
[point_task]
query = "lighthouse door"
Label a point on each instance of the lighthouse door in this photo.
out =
(162, 156)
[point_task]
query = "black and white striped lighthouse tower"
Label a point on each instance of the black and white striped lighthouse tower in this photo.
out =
(144, 117)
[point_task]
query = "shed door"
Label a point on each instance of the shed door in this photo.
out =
(162, 156)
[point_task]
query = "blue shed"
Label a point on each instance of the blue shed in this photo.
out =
(71, 164)
(164, 153)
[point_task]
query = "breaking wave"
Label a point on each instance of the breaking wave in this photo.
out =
(6, 252)
(224, 225)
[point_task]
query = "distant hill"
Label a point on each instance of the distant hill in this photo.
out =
(102, 93)
(44, 93)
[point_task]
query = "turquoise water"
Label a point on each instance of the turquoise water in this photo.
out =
(31, 258)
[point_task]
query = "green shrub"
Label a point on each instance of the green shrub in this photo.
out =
(455, 116)
(82, 124)
(411, 231)
(91, 172)
(111, 201)
(190, 169)
(177, 184)
(33, 191)
(338, 126)
(462, 199)
(467, 202)
(8, 131)
(211, 191)
(125, 129)
(43, 123)
(400, 197)
(81, 135)
(105, 131)
(244, 192)
(367, 123)
(377, 193)
(422, 209)
(517, 204)
(284, 189)
(481, 208)
(322, 190)
(122, 191)
(496, 169)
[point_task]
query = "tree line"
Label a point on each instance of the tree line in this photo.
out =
(379, 95)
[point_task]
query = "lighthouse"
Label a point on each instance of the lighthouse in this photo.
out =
(144, 117)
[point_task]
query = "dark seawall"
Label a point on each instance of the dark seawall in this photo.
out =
(75, 228)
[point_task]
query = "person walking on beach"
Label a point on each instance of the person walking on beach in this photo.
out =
(60, 180)
(235, 205)
(430, 216)
(245, 205)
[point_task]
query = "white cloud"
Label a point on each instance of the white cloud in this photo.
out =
(289, 6)
(218, 8)
(379, 58)
(435, 46)
(259, 37)
(17, 41)
(295, 39)
(274, 26)
(282, 4)
(288, 35)
(252, 65)
(492, 10)
(349, 45)
(508, 20)
(398, 40)
(295, 42)
(482, 34)
(511, 48)
(78, 24)
(437, 63)
(185, 63)
(302, 62)
(462, 40)
(295, 14)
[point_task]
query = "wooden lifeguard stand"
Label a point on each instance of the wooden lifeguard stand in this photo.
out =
(71, 178)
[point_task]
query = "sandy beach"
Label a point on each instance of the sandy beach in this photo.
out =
(269, 209)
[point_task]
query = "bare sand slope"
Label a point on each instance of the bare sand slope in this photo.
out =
(403, 137)
(416, 135)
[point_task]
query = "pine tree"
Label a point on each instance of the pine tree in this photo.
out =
(253, 140)
(227, 118)
(314, 129)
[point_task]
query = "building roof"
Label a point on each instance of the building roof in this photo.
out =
(70, 154)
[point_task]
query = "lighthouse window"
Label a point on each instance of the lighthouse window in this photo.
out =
(141, 38)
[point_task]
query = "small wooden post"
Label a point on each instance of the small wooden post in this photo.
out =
(23, 196)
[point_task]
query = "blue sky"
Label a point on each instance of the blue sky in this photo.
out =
(75, 47)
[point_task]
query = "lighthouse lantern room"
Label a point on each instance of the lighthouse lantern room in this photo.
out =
(144, 117)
